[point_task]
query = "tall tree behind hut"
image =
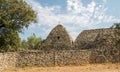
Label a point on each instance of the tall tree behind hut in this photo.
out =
(14, 16)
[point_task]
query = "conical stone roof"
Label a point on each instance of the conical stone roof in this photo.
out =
(96, 38)
(58, 39)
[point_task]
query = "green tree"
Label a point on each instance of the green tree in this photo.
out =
(14, 16)
(9, 41)
(24, 45)
(117, 26)
(34, 42)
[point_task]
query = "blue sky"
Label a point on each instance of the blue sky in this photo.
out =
(75, 15)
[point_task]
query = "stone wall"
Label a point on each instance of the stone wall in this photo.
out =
(59, 58)
(105, 55)
(8, 60)
(58, 39)
(102, 43)
(43, 58)
(36, 58)
(96, 38)
(72, 57)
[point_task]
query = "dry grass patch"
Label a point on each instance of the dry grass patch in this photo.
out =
(82, 68)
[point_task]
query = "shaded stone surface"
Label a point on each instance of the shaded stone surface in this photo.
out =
(43, 58)
(58, 39)
(35, 58)
(72, 57)
(8, 60)
(89, 39)
(102, 43)
(105, 54)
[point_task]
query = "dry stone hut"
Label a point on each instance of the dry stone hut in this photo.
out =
(102, 43)
(58, 39)
(95, 38)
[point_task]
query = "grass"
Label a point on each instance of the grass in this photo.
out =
(83, 68)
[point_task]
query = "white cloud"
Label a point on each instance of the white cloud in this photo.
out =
(76, 6)
(76, 13)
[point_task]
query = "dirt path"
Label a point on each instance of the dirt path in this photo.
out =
(82, 68)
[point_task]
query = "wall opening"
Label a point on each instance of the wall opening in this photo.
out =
(58, 38)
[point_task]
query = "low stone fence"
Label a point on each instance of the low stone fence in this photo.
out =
(72, 57)
(59, 58)
(8, 60)
(36, 58)
(43, 58)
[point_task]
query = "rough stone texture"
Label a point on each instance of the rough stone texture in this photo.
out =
(72, 57)
(58, 39)
(8, 60)
(105, 54)
(43, 58)
(102, 43)
(95, 38)
(36, 58)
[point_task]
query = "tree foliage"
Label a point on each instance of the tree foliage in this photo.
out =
(24, 45)
(9, 41)
(32, 43)
(117, 26)
(14, 16)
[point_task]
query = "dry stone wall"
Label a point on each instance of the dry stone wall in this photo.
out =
(72, 57)
(105, 55)
(8, 60)
(103, 44)
(36, 58)
(59, 58)
(43, 58)
(89, 39)
(58, 39)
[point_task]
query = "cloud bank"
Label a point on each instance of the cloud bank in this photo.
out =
(75, 18)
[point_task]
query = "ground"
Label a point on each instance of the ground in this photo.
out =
(81, 68)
